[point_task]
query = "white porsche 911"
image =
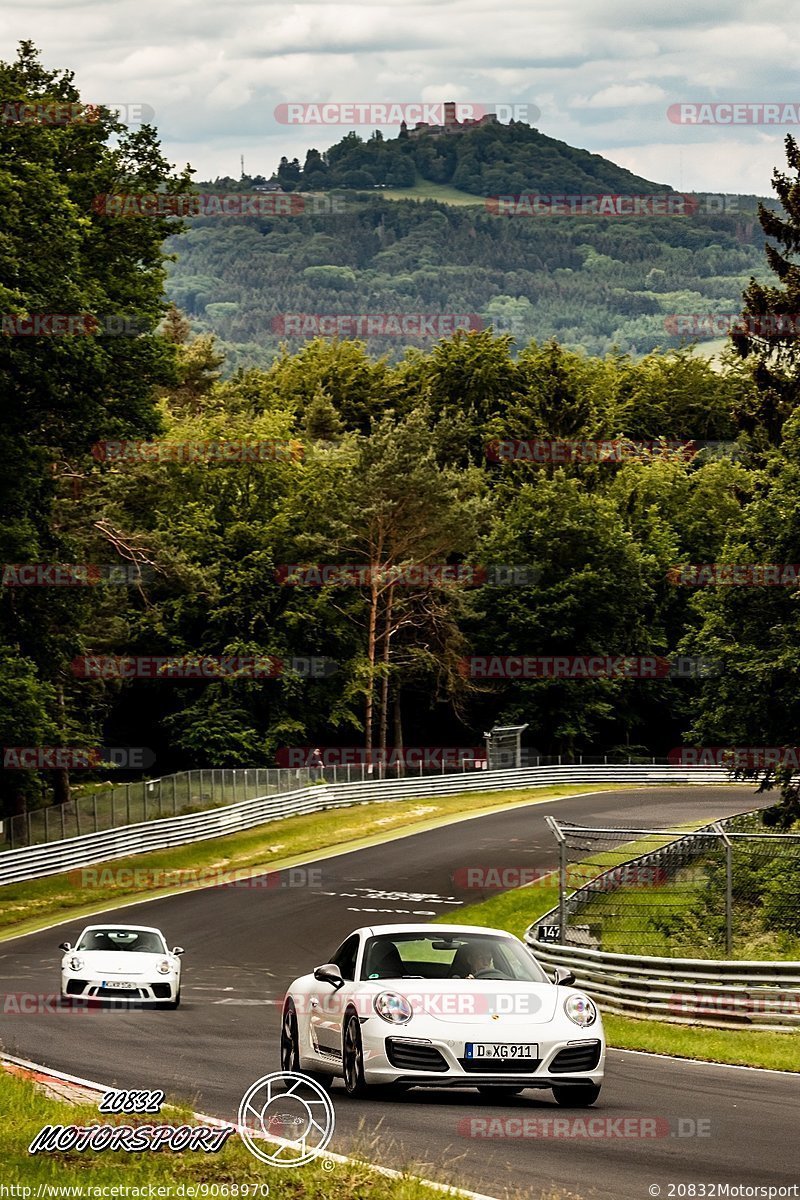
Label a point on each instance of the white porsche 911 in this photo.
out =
(122, 962)
(443, 1006)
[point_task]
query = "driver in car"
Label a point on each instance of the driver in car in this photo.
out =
(480, 959)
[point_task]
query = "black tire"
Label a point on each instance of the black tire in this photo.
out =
(176, 1003)
(499, 1093)
(353, 1058)
(580, 1096)
(290, 1048)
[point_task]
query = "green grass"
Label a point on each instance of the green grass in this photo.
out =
(424, 189)
(272, 846)
(26, 1110)
(741, 1047)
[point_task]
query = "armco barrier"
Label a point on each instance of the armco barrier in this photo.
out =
(33, 862)
(690, 991)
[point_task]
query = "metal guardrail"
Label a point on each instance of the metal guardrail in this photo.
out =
(690, 991)
(34, 862)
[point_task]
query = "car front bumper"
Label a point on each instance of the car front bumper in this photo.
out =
(422, 1056)
(144, 991)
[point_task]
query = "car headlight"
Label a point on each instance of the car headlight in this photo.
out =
(164, 967)
(75, 963)
(393, 1007)
(581, 1010)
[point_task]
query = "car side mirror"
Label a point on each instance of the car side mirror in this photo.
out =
(563, 975)
(65, 945)
(178, 950)
(329, 973)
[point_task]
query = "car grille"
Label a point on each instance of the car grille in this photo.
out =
(412, 1056)
(500, 1066)
(584, 1057)
(75, 986)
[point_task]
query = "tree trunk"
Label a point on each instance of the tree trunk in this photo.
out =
(398, 733)
(387, 629)
(369, 703)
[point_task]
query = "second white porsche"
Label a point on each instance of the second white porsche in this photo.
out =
(443, 1006)
(122, 962)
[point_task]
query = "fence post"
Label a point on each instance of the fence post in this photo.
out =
(720, 829)
(63, 823)
(30, 830)
(113, 808)
(128, 803)
(562, 878)
(94, 808)
(174, 795)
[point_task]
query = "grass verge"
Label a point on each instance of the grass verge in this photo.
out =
(26, 1111)
(739, 1047)
(275, 845)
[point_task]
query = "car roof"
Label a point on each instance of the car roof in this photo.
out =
(131, 928)
(428, 927)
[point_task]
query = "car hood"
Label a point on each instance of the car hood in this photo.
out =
(123, 963)
(465, 1001)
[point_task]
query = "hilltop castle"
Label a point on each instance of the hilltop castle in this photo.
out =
(451, 125)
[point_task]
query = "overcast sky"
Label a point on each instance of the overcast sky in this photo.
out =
(601, 74)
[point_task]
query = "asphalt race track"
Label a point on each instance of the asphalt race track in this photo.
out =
(244, 945)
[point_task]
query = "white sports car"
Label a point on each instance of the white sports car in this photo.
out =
(122, 962)
(443, 1006)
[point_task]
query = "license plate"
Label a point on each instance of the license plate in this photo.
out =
(118, 984)
(501, 1050)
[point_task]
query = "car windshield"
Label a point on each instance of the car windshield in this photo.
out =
(449, 956)
(145, 941)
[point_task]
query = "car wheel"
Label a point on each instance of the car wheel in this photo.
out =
(290, 1049)
(577, 1097)
(353, 1058)
(176, 1003)
(499, 1093)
